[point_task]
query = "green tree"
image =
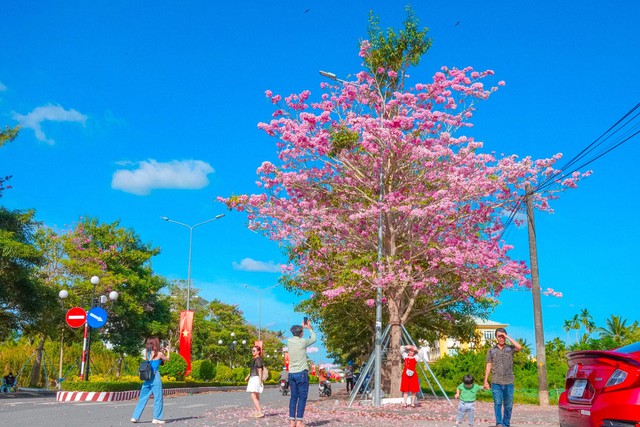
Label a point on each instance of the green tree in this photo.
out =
(123, 263)
(7, 135)
(616, 330)
(23, 298)
(567, 326)
(575, 324)
(395, 51)
(586, 320)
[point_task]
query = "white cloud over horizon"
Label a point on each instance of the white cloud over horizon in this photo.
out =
(53, 113)
(153, 175)
(249, 264)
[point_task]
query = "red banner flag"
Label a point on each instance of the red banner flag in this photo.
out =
(186, 324)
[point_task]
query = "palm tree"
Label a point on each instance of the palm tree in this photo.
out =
(575, 324)
(526, 346)
(586, 320)
(567, 326)
(616, 329)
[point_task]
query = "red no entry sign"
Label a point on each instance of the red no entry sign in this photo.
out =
(76, 317)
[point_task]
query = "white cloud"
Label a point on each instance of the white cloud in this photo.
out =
(153, 175)
(2, 87)
(249, 264)
(54, 113)
(519, 218)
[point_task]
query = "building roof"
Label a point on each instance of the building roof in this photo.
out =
(489, 323)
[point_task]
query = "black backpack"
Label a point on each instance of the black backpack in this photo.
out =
(145, 370)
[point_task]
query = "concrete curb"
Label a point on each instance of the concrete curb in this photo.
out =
(114, 396)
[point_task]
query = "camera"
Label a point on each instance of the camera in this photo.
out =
(305, 320)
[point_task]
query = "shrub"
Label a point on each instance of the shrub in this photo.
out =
(202, 370)
(175, 367)
(239, 374)
(224, 374)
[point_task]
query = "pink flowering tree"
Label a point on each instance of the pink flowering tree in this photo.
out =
(368, 154)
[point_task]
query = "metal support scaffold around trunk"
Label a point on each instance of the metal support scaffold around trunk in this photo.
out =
(364, 385)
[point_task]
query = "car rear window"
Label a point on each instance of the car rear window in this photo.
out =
(631, 348)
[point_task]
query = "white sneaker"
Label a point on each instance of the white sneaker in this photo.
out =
(157, 421)
(133, 420)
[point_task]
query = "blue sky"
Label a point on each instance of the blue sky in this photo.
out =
(137, 110)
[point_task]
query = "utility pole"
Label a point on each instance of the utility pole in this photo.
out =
(541, 357)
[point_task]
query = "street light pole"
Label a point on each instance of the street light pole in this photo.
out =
(86, 342)
(377, 386)
(259, 306)
(191, 227)
(63, 294)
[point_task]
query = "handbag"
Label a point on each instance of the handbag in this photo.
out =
(409, 372)
(265, 374)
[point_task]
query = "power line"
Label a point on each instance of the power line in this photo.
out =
(631, 131)
(608, 134)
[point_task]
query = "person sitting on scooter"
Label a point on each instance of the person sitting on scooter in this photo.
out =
(322, 376)
(284, 374)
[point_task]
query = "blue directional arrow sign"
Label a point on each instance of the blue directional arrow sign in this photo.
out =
(96, 317)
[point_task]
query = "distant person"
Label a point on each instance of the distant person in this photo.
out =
(8, 381)
(348, 376)
(153, 354)
(409, 384)
(322, 375)
(299, 372)
(255, 386)
(500, 365)
(466, 392)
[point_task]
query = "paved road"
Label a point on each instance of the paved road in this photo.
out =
(233, 408)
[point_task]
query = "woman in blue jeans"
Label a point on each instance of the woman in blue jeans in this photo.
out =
(156, 357)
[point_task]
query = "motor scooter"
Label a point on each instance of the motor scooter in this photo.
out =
(324, 388)
(284, 387)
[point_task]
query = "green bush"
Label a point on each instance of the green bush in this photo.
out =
(202, 370)
(224, 374)
(239, 374)
(175, 367)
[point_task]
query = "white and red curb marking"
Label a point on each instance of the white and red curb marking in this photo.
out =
(113, 396)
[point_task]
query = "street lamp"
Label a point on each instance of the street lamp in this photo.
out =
(377, 395)
(232, 346)
(259, 305)
(191, 227)
(86, 342)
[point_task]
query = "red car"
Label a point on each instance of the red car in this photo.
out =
(602, 388)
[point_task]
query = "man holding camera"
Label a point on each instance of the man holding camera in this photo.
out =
(299, 371)
(500, 365)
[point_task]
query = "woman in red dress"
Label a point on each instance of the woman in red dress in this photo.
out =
(409, 383)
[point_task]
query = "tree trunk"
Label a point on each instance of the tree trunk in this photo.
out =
(392, 371)
(37, 364)
(119, 365)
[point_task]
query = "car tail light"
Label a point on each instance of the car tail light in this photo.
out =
(616, 378)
